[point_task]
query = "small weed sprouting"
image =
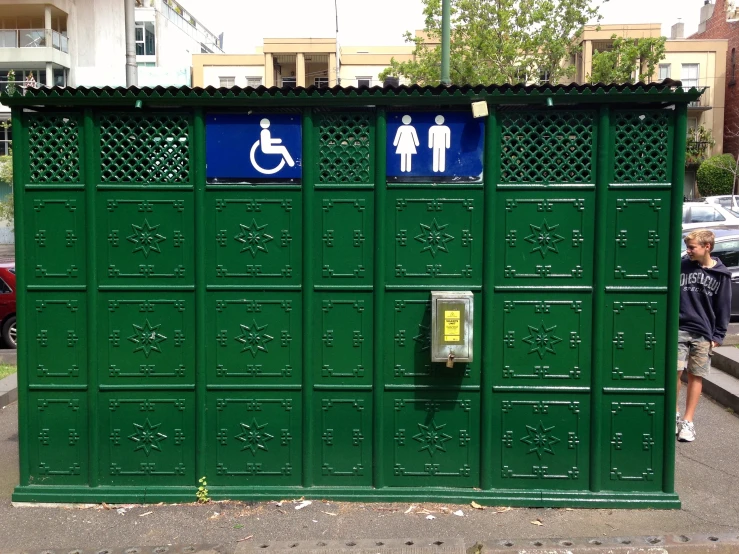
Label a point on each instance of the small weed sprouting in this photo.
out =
(202, 492)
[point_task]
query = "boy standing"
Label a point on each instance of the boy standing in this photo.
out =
(705, 307)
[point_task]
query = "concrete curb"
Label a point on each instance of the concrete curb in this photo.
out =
(8, 390)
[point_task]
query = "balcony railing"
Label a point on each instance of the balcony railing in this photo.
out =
(33, 38)
(704, 101)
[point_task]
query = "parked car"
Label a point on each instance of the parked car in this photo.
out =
(727, 250)
(7, 305)
(728, 201)
(699, 215)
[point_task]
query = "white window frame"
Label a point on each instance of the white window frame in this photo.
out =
(686, 74)
(368, 79)
(665, 71)
(253, 82)
(225, 84)
(320, 81)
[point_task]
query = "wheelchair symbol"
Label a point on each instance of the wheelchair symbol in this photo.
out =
(269, 146)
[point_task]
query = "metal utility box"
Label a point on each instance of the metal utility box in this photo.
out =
(236, 284)
(451, 326)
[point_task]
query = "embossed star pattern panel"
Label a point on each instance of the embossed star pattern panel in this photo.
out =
(347, 237)
(407, 343)
(56, 324)
(58, 438)
(146, 338)
(146, 238)
(56, 239)
(147, 437)
(254, 238)
(634, 335)
(344, 429)
(634, 432)
(344, 327)
(545, 339)
(432, 439)
(254, 337)
(637, 236)
(546, 239)
(541, 440)
(254, 438)
(436, 237)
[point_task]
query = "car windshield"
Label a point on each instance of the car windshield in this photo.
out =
(12, 270)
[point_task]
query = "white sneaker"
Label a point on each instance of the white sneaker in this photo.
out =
(687, 432)
(677, 423)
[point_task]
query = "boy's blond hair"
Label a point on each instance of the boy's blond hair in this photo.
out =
(703, 236)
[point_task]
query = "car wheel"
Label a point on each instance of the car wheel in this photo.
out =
(9, 333)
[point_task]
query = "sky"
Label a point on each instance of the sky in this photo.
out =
(381, 22)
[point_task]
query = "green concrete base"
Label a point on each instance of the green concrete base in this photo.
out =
(531, 498)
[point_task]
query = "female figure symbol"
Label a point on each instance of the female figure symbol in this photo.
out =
(405, 142)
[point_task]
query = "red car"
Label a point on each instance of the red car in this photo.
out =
(7, 304)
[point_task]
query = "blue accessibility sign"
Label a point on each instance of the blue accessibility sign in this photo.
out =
(434, 147)
(253, 148)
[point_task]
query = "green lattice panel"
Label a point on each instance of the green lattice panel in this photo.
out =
(254, 237)
(407, 341)
(55, 237)
(58, 323)
(638, 229)
(541, 440)
(633, 439)
(347, 237)
(146, 338)
(147, 438)
(643, 144)
(432, 438)
(635, 339)
(546, 148)
(547, 239)
(254, 438)
(58, 438)
(145, 238)
(437, 237)
(545, 339)
(344, 429)
(345, 148)
(54, 151)
(343, 324)
(145, 149)
(254, 338)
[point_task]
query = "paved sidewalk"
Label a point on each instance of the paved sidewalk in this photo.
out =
(707, 482)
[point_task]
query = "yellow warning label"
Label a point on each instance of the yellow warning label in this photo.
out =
(451, 326)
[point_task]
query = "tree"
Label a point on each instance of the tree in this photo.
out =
(629, 61)
(497, 41)
(7, 212)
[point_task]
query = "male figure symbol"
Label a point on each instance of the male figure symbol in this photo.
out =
(439, 140)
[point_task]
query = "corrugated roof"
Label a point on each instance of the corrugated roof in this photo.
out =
(664, 91)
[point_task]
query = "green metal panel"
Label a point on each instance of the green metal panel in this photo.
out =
(275, 338)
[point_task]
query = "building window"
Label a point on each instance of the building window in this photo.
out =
(289, 82)
(689, 75)
(6, 140)
(145, 39)
(543, 77)
(320, 81)
(146, 64)
(254, 82)
(364, 81)
(664, 71)
(226, 82)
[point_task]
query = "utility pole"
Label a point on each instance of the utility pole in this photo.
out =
(132, 77)
(445, 32)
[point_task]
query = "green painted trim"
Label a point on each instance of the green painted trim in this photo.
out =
(48, 186)
(20, 174)
(438, 387)
(140, 187)
(309, 179)
(627, 390)
(57, 387)
(431, 287)
(680, 130)
(534, 186)
(197, 170)
(603, 162)
(379, 297)
(90, 148)
(256, 287)
(612, 288)
(156, 386)
(494, 497)
(145, 288)
(254, 387)
(491, 178)
(343, 387)
(366, 288)
(78, 288)
(531, 388)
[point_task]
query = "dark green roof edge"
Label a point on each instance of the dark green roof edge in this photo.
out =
(667, 91)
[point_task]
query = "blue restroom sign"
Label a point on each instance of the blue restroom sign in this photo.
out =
(434, 147)
(253, 148)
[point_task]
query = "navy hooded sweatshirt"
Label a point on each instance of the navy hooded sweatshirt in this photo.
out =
(705, 299)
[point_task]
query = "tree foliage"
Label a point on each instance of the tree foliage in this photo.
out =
(7, 212)
(497, 41)
(630, 60)
(715, 176)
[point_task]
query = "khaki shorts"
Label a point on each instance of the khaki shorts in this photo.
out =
(693, 353)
